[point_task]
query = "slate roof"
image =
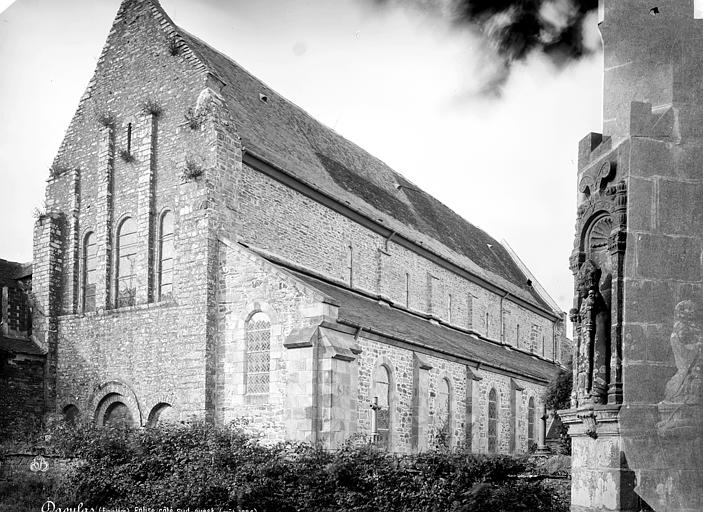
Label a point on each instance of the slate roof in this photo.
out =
(286, 136)
(20, 346)
(360, 310)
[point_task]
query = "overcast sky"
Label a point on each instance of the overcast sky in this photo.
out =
(400, 83)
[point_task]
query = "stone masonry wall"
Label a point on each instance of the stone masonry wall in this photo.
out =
(156, 349)
(276, 218)
(400, 362)
(21, 394)
(248, 284)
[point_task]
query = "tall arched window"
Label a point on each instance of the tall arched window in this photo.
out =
(530, 423)
(492, 421)
(126, 279)
(166, 253)
(444, 410)
(89, 278)
(258, 354)
(381, 406)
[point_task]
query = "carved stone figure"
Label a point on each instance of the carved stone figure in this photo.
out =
(594, 354)
(680, 411)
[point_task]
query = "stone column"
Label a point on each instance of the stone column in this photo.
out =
(73, 245)
(104, 217)
(472, 392)
(145, 166)
(421, 391)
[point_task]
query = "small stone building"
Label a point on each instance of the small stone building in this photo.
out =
(21, 359)
(212, 251)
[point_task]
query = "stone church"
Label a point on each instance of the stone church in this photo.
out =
(211, 251)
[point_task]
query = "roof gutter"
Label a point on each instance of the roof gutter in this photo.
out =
(259, 163)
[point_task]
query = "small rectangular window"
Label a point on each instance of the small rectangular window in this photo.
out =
(698, 9)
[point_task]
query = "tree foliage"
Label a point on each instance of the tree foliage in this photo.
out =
(203, 466)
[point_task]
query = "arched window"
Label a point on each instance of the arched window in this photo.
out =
(118, 414)
(381, 406)
(126, 279)
(162, 414)
(444, 410)
(90, 274)
(258, 353)
(530, 423)
(492, 421)
(166, 253)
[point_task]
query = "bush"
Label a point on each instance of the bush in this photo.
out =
(202, 466)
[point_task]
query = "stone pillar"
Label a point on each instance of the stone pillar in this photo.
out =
(472, 393)
(421, 391)
(301, 401)
(46, 291)
(337, 387)
(145, 166)
(104, 235)
(73, 245)
(515, 414)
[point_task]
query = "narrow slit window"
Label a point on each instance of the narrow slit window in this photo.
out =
(469, 311)
(407, 289)
(449, 308)
(166, 256)
(129, 138)
(350, 265)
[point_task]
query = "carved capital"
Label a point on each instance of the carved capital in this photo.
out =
(617, 241)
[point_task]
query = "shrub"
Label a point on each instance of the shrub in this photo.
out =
(106, 119)
(173, 47)
(192, 170)
(57, 170)
(194, 119)
(127, 156)
(151, 107)
(202, 466)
